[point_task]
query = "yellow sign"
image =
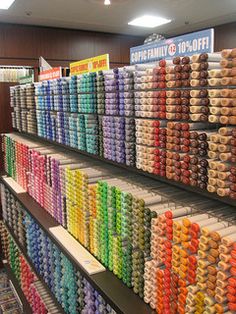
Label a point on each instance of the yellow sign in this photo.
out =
(95, 64)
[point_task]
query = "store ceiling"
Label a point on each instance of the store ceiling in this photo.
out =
(187, 15)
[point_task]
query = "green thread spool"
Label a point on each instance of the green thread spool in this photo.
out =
(119, 257)
(14, 259)
(126, 232)
(110, 249)
(115, 254)
(104, 237)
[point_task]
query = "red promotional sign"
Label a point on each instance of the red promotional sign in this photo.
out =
(54, 73)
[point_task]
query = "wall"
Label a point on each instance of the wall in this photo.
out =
(225, 36)
(5, 109)
(24, 44)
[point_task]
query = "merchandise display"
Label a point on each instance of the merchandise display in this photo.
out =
(70, 288)
(8, 301)
(14, 73)
(23, 101)
(221, 153)
(172, 249)
(118, 183)
(159, 117)
(35, 293)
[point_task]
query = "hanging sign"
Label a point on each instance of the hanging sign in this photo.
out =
(43, 64)
(95, 64)
(185, 45)
(54, 73)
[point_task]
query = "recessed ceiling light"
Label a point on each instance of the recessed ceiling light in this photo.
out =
(107, 2)
(149, 21)
(5, 4)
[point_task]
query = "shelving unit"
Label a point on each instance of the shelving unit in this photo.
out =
(25, 305)
(78, 129)
(180, 186)
(23, 251)
(119, 296)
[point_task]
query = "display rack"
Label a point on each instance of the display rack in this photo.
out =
(24, 253)
(180, 186)
(119, 296)
(19, 293)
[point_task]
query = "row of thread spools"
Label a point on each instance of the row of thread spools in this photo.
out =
(34, 291)
(183, 152)
(124, 91)
(120, 139)
(176, 258)
(70, 288)
(117, 90)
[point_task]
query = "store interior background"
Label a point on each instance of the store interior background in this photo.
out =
(23, 42)
(25, 36)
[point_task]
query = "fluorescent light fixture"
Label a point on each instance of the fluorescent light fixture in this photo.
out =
(107, 2)
(5, 4)
(149, 21)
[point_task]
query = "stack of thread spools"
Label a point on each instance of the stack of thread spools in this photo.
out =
(100, 88)
(30, 104)
(39, 300)
(150, 145)
(113, 128)
(199, 105)
(178, 100)
(88, 111)
(13, 215)
(114, 138)
(206, 70)
(86, 89)
(70, 287)
(132, 229)
(232, 177)
(186, 153)
(149, 103)
(18, 102)
(227, 113)
(111, 82)
(126, 86)
(58, 104)
(37, 296)
(221, 161)
(221, 74)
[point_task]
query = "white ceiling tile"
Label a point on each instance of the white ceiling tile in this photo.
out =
(93, 15)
